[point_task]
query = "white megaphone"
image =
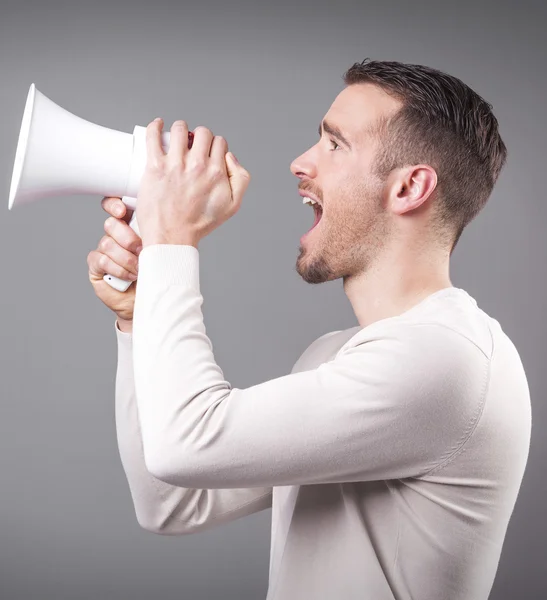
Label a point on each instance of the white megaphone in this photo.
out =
(59, 154)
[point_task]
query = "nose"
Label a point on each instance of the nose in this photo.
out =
(304, 165)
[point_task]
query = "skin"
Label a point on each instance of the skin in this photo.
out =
(374, 234)
(184, 194)
(187, 192)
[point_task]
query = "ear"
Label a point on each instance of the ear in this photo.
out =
(412, 187)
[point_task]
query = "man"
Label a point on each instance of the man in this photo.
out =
(393, 453)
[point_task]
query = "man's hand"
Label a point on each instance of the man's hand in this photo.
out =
(188, 192)
(116, 254)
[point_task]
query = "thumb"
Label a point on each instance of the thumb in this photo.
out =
(239, 178)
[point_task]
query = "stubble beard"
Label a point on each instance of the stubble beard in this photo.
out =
(351, 246)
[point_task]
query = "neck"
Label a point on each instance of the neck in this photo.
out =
(398, 280)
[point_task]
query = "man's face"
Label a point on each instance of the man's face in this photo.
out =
(338, 171)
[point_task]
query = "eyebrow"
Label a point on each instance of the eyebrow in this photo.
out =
(334, 131)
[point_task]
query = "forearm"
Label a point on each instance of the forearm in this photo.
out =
(160, 507)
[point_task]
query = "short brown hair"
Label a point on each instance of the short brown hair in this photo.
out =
(442, 123)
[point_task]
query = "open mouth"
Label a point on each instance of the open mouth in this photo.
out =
(318, 214)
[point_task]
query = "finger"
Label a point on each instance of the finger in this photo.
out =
(154, 148)
(124, 235)
(239, 179)
(128, 214)
(219, 147)
(123, 257)
(117, 208)
(201, 145)
(100, 263)
(178, 144)
(114, 206)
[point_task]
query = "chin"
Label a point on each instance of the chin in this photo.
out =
(313, 269)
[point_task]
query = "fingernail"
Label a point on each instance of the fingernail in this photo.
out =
(118, 211)
(235, 159)
(158, 119)
(138, 250)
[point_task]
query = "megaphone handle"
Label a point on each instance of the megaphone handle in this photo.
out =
(122, 284)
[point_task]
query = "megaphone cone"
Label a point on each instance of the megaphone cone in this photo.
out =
(59, 154)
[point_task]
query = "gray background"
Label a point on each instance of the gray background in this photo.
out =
(262, 76)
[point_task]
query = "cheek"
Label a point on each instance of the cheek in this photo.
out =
(340, 192)
(336, 180)
(351, 202)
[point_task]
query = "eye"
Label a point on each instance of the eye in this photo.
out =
(337, 145)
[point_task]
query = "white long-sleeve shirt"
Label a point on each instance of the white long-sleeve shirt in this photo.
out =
(391, 456)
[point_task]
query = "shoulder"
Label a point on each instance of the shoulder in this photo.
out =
(324, 347)
(421, 360)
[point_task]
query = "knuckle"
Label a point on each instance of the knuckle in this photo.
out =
(173, 167)
(196, 165)
(109, 224)
(103, 261)
(155, 166)
(216, 173)
(105, 243)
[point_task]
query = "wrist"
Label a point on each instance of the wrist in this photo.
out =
(125, 325)
(184, 238)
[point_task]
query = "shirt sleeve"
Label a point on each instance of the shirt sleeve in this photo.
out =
(160, 507)
(396, 405)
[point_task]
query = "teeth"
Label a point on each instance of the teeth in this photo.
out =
(307, 200)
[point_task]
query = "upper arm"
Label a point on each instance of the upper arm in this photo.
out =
(185, 511)
(393, 406)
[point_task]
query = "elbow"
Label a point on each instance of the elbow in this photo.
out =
(150, 527)
(163, 528)
(158, 519)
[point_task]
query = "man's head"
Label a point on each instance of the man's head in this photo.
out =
(407, 155)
